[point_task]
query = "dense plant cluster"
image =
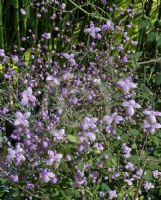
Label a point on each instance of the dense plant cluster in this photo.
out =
(73, 122)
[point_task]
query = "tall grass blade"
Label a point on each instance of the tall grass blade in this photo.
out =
(1, 26)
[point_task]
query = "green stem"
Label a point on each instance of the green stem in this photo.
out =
(159, 11)
(144, 140)
(24, 26)
(87, 13)
(1, 27)
(36, 23)
(16, 24)
(140, 182)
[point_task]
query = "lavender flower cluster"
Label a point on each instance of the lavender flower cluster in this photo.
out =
(75, 116)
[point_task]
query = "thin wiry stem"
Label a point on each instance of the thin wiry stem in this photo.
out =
(87, 13)
(22, 188)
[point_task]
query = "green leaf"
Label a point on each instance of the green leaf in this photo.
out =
(3, 180)
(158, 79)
(72, 138)
(27, 55)
(134, 159)
(136, 55)
(153, 163)
(148, 175)
(159, 42)
(152, 37)
(144, 23)
(125, 138)
(146, 17)
(15, 3)
(46, 196)
(134, 146)
(104, 187)
(135, 132)
(143, 154)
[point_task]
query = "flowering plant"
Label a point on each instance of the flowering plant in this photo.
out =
(78, 127)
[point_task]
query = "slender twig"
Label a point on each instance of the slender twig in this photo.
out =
(144, 168)
(144, 140)
(150, 61)
(86, 190)
(30, 193)
(22, 188)
(158, 60)
(87, 13)
(140, 182)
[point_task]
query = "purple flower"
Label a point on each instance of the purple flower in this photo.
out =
(101, 194)
(126, 150)
(115, 176)
(129, 181)
(23, 12)
(16, 155)
(151, 115)
(92, 30)
(130, 166)
(126, 84)
(74, 100)
(21, 119)
(54, 179)
(112, 194)
(14, 178)
(138, 174)
(109, 26)
(27, 97)
(99, 146)
(45, 144)
(90, 135)
(46, 36)
(94, 176)
(67, 76)
(124, 59)
(52, 81)
(156, 174)
(29, 186)
(14, 58)
(59, 135)
(114, 117)
(89, 123)
(130, 107)
(63, 6)
(68, 157)
(54, 157)
(110, 130)
(2, 54)
(70, 58)
(47, 176)
(147, 186)
(80, 179)
(151, 127)
(104, 2)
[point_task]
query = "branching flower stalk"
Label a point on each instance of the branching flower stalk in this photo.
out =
(140, 181)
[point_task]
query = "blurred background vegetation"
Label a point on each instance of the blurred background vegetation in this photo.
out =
(37, 20)
(14, 25)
